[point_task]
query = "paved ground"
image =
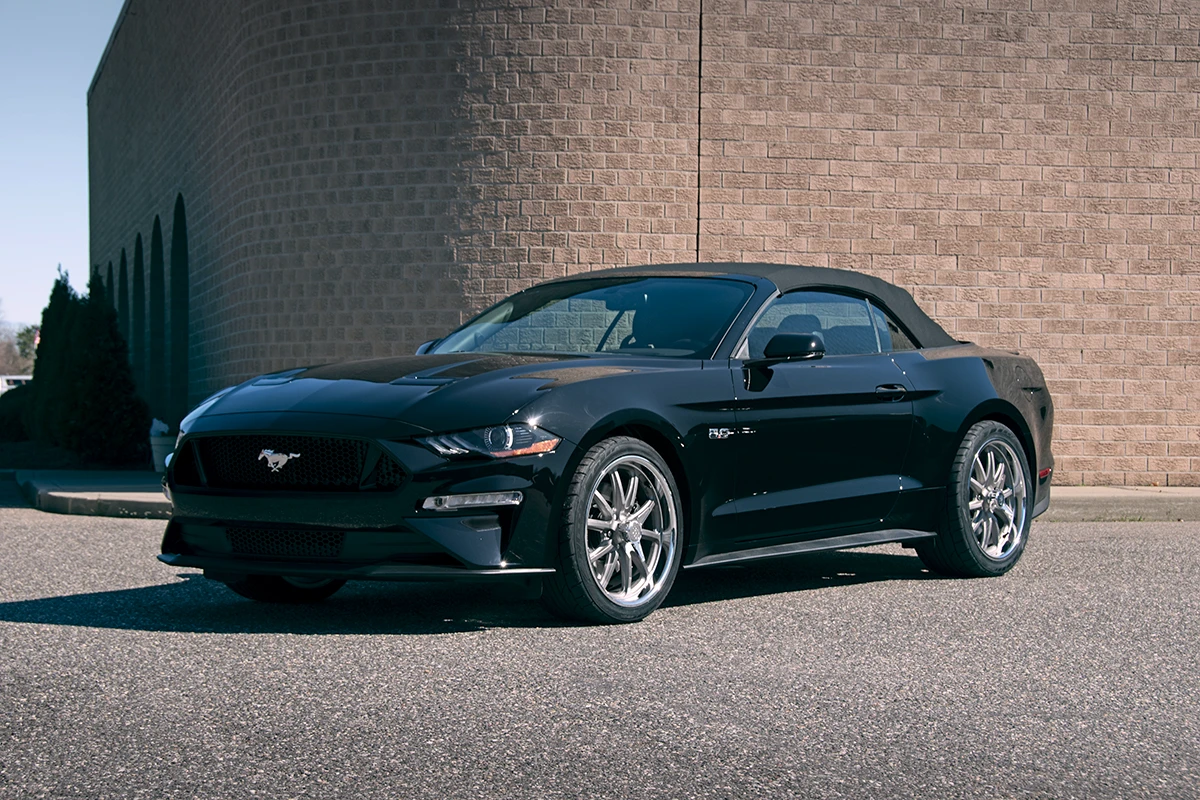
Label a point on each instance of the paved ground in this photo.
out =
(840, 675)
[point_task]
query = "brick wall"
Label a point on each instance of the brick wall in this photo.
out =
(1027, 168)
(360, 174)
(314, 150)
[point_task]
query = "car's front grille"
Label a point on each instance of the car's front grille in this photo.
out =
(285, 543)
(386, 475)
(287, 462)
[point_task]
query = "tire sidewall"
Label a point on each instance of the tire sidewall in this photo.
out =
(979, 435)
(575, 518)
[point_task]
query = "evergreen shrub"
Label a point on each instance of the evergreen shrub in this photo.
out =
(12, 414)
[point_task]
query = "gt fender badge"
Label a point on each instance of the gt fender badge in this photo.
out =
(275, 460)
(725, 433)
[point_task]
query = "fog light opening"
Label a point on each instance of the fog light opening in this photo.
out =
(453, 502)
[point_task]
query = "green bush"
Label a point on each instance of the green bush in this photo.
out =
(82, 396)
(12, 414)
(49, 407)
(108, 423)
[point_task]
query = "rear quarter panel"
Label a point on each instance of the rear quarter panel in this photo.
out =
(955, 387)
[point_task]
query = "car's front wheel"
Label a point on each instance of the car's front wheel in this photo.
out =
(621, 535)
(985, 524)
(284, 589)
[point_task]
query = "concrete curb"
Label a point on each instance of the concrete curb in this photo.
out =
(60, 493)
(1123, 504)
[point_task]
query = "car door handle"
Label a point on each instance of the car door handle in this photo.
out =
(890, 391)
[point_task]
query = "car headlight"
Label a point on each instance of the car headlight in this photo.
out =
(498, 441)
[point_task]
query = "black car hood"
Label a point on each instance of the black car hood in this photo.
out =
(453, 391)
(429, 369)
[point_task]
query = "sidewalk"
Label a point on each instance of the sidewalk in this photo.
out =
(139, 494)
(1123, 504)
(96, 494)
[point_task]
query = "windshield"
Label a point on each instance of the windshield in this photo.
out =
(666, 317)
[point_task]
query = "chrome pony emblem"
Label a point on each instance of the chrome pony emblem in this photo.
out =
(276, 460)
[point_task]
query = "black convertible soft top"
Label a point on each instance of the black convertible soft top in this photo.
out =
(787, 277)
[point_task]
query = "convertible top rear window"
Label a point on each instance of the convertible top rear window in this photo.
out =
(679, 317)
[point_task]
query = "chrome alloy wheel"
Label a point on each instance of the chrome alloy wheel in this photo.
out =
(631, 531)
(998, 503)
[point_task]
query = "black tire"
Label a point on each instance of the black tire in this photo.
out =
(278, 589)
(574, 591)
(958, 551)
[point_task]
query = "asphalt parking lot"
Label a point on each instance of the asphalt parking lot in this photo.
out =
(852, 674)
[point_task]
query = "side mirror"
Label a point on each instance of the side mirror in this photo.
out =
(424, 348)
(790, 347)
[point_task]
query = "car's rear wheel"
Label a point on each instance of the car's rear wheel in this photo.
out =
(620, 537)
(985, 524)
(285, 589)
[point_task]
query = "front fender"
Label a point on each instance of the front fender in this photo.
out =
(671, 410)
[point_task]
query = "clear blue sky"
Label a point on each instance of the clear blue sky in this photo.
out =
(49, 50)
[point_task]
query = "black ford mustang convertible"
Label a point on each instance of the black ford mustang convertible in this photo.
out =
(595, 434)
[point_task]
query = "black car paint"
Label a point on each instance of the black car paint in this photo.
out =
(735, 486)
(826, 451)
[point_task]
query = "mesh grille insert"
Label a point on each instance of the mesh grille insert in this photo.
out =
(387, 474)
(185, 466)
(290, 462)
(285, 543)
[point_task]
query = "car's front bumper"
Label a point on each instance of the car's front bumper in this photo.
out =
(453, 544)
(387, 535)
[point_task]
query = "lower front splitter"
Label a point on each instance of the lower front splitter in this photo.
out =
(374, 572)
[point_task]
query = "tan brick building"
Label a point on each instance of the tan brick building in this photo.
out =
(359, 174)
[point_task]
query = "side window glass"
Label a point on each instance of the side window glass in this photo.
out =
(844, 323)
(891, 336)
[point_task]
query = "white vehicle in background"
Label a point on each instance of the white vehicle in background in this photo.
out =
(13, 381)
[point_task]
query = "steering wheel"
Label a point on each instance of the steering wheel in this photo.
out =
(678, 344)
